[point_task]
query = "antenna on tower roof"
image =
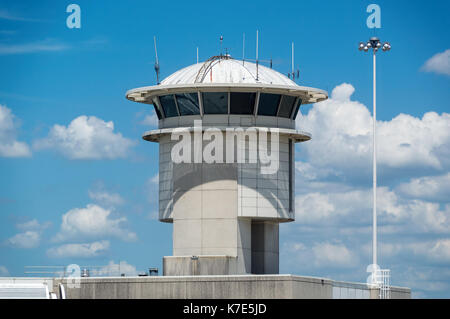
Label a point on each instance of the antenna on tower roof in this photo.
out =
(256, 55)
(221, 40)
(293, 73)
(197, 55)
(156, 62)
(292, 62)
(243, 48)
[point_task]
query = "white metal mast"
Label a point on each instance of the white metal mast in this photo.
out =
(243, 48)
(292, 65)
(375, 44)
(374, 151)
(256, 55)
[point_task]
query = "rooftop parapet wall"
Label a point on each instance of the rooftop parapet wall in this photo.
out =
(212, 287)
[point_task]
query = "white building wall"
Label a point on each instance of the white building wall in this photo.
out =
(347, 290)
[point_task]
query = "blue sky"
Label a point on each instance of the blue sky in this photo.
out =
(77, 79)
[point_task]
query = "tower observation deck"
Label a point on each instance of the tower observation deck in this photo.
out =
(226, 211)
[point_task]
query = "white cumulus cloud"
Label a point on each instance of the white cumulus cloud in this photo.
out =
(93, 221)
(85, 250)
(3, 271)
(9, 146)
(28, 239)
(33, 224)
(440, 250)
(438, 63)
(353, 207)
(434, 251)
(342, 137)
(86, 137)
(31, 234)
(106, 198)
(333, 255)
(427, 187)
(150, 120)
(320, 254)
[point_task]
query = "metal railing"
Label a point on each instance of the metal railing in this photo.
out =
(86, 271)
(384, 281)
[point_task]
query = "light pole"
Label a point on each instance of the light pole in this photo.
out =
(374, 44)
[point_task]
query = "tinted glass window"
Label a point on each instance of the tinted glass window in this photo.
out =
(287, 102)
(188, 103)
(297, 107)
(242, 103)
(215, 102)
(268, 104)
(168, 105)
(157, 112)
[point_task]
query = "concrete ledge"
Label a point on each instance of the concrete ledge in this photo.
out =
(400, 293)
(210, 287)
(199, 265)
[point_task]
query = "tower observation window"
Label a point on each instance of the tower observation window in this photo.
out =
(188, 103)
(215, 102)
(168, 105)
(157, 111)
(287, 102)
(297, 108)
(268, 104)
(242, 103)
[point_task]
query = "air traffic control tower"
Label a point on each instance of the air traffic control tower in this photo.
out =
(226, 214)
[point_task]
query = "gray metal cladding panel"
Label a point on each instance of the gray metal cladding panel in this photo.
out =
(217, 172)
(186, 176)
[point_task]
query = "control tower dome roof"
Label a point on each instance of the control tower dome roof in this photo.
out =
(227, 71)
(224, 72)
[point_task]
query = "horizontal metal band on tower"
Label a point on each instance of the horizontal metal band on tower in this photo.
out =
(296, 135)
